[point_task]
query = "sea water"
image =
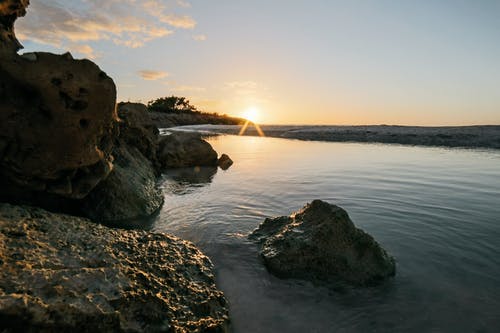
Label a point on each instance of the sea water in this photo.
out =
(437, 211)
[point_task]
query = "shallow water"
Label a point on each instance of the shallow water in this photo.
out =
(437, 211)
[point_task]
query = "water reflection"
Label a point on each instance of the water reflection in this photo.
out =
(186, 180)
(436, 210)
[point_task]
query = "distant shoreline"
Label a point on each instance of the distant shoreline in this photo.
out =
(477, 136)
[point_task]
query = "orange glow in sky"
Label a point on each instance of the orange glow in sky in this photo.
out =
(344, 62)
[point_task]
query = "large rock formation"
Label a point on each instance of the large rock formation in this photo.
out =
(57, 117)
(62, 273)
(183, 149)
(138, 130)
(129, 196)
(320, 243)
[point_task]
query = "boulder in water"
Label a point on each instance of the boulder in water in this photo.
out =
(182, 149)
(128, 197)
(224, 162)
(320, 243)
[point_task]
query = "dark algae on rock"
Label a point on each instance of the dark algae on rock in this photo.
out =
(320, 243)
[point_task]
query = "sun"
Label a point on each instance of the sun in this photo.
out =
(251, 114)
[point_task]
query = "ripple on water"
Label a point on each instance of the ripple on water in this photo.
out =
(436, 210)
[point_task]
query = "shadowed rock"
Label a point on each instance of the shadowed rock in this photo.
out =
(10, 10)
(65, 274)
(138, 130)
(224, 162)
(182, 149)
(128, 197)
(57, 117)
(320, 243)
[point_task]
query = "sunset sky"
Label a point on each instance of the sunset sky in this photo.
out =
(421, 62)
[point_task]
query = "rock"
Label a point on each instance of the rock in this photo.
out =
(129, 197)
(182, 149)
(57, 117)
(320, 243)
(138, 130)
(224, 162)
(10, 10)
(62, 273)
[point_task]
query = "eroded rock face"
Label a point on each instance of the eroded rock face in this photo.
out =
(57, 117)
(62, 273)
(182, 149)
(10, 10)
(320, 243)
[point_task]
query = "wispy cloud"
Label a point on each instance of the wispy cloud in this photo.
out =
(152, 75)
(86, 50)
(200, 38)
(184, 22)
(131, 23)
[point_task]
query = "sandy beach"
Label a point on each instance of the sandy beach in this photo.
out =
(446, 136)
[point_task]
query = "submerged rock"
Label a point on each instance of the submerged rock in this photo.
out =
(320, 243)
(181, 149)
(62, 273)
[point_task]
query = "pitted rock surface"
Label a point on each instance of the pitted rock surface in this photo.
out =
(62, 273)
(320, 243)
(57, 117)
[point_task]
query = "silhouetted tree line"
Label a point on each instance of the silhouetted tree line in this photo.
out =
(176, 105)
(172, 104)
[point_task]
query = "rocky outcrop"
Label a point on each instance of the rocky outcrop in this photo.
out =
(62, 273)
(129, 197)
(183, 149)
(224, 162)
(138, 130)
(320, 243)
(57, 117)
(10, 10)
(62, 145)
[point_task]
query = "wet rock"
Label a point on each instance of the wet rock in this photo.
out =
(182, 149)
(320, 243)
(129, 197)
(57, 117)
(224, 162)
(62, 273)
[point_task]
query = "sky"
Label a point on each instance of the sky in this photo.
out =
(347, 62)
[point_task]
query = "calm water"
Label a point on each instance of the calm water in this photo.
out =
(437, 211)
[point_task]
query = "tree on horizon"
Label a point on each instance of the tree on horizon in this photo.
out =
(172, 104)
